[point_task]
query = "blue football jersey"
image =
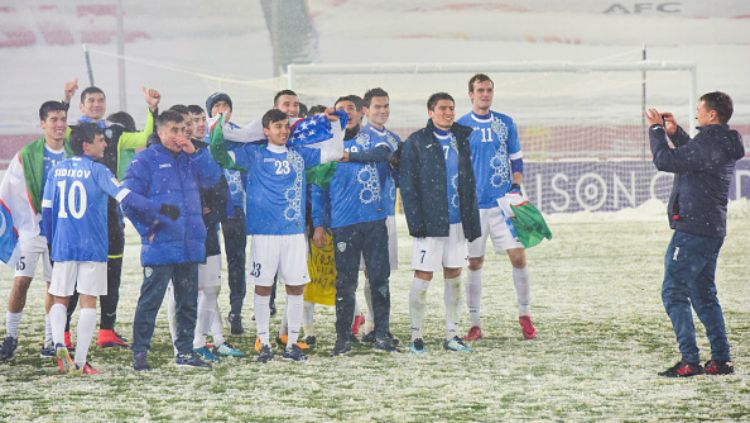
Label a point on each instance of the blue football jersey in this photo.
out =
(77, 190)
(355, 190)
(450, 152)
(389, 138)
(51, 158)
(494, 143)
(276, 187)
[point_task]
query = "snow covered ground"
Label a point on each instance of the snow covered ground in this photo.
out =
(603, 335)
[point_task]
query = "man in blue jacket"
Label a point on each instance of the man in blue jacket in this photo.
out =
(170, 171)
(697, 211)
(440, 201)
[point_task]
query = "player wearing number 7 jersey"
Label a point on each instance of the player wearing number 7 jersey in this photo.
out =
(276, 190)
(74, 210)
(498, 166)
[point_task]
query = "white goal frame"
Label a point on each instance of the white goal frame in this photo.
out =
(295, 71)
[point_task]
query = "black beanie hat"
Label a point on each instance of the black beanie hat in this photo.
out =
(215, 98)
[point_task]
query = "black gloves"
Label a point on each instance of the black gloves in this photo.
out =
(172, 212)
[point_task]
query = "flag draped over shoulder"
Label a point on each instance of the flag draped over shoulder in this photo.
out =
(32, 160)
(218, 145)
(530, 226)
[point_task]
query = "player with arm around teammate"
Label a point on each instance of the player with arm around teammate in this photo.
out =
(276, 220)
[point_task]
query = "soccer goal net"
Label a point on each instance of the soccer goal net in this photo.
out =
(580, 125)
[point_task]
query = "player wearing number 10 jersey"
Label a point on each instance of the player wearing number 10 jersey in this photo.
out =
(276, 192)
(498, 167)
(74, 210)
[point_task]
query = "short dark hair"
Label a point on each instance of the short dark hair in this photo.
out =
(168, 116)
(480, 77)
(283, 92)
(374, 92)
(124, 119)
(180, 108)
(433, 100)
(195, 109)
(719, 102)
(357, 100)
(83, 133)
(91, 90)
(316, 109)
(51, 106)
(273, 115)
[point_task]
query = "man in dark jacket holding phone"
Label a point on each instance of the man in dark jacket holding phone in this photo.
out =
(697, 211)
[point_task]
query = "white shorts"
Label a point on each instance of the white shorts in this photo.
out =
(432, 254)
(493, 224)
(86, 277)
(282, 254)
(28, 255)
(209, 274)
(390, 225)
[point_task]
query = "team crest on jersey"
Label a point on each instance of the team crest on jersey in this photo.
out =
(341, 246)
(148, 271)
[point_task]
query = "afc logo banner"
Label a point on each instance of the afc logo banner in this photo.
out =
(635, 8)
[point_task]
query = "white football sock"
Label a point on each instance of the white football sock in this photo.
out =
(86, 325)
(12, 321)
(172, 315)
(474, 295)
(452, 300)
(522, 281)
(284, 327)
(47, 331)
(202, 321)
(417, 305)
(294, 311)
(58, 315)
(262, 307)
(308, 318)
(369, 316)
(216, 326)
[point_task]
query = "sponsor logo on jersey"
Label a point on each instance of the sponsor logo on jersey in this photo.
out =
(165, 165)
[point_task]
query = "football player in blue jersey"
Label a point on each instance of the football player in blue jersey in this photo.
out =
(276, 219)
(377, 109)
(358, 224)
(498, 167)
(74, 209)
(25, 178)
(439, 197)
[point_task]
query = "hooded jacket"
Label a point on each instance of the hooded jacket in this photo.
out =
(423, 189)
(703, 168)
(171, 178)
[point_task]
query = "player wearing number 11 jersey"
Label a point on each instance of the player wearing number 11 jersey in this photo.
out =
(74, 210)
(498, 167)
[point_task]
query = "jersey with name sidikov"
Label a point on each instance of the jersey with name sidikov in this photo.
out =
(77, 191)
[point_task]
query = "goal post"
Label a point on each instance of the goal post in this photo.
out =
(580, 124)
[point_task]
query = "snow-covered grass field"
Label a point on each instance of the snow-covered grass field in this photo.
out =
(603, 335)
